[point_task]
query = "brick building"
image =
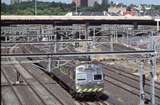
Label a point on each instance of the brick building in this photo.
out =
(81, 3)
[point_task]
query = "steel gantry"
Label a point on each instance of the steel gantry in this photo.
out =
(53, 32)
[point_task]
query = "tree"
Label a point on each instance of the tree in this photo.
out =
(53, 8)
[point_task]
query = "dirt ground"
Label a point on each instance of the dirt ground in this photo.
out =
(158, 71)
(134, 67)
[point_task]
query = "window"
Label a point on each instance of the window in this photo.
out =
(81, 76)
(80, 69)
(97, 77)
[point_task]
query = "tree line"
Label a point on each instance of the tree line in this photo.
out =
(53, 8)
(46, 8)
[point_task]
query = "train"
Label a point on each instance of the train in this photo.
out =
(83, 79)
(81, 76)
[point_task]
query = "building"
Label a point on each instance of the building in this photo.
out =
(89, 3)
(92, 2)
(115, 9)
(130, 13)
(77, 2)
(81, 3)
(27, 0)
(105, 2)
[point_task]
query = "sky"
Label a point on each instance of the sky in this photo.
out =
(115, 1)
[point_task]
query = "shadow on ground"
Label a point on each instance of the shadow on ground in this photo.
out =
(103, 97)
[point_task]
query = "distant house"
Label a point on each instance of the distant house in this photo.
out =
(130, 13)
(81, 3)
(89, 3)
(115, 9)
(104, 13)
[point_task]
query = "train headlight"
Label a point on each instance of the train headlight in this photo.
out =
(78, 87)
(98, 82)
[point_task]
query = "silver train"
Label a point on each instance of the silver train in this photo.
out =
(83, 79)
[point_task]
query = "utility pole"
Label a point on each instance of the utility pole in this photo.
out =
(49, 58)
(158, 27)
(94, 42)
(153, 78)
(76, 7)
(153, 69)
(35, 7)
(142, 83)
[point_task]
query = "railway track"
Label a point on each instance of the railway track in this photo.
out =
(12, 88)
(83, 103)
(98, 102)
(122, 71)
(33, 89)
(7, 84)
(125, 80)
(31, 84)
(130, 76)
(42, 84)
(9, 77)
(127, 83)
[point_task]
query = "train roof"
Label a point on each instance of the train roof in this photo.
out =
(87, 62)
(74, 64)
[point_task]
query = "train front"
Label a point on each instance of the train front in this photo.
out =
(89, 79)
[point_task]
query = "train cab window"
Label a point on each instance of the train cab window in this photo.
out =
(97, 77)
(81, 76)
(80, 69)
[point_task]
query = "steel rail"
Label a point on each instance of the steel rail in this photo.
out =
(120, 86)
(124, 89)
(136, 88)
(30, 85)
(128, 90)
(31, 61)
(130, 85)
(128, 75)
(2, 101)
(98, 103)
(43, 85)
(32, 88)
(14, 91)
(13, 62)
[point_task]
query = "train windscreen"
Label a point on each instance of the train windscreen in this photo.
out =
(81, 76)
(97, 77)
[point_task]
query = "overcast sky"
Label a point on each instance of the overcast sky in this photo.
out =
(116, 1)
